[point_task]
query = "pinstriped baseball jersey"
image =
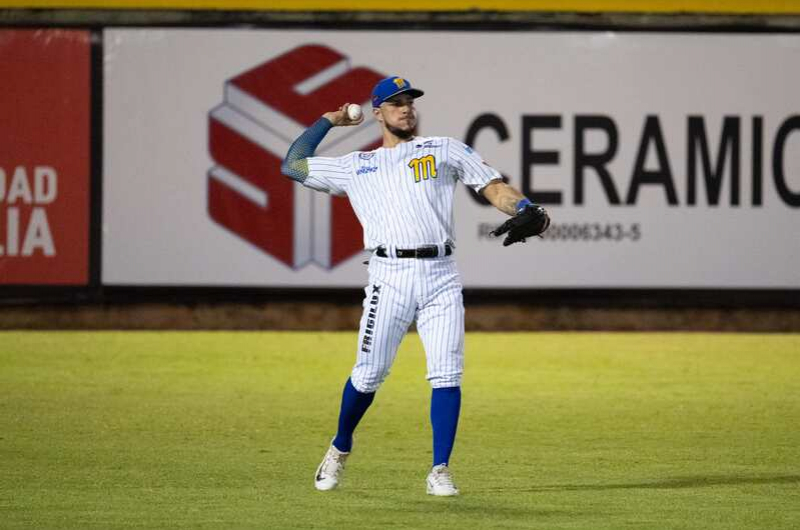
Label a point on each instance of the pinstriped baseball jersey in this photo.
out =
(403, 196)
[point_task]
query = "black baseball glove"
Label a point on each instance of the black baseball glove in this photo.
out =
(531, 221)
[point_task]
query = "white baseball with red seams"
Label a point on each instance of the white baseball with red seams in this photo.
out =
(354, 111)
(403, 197)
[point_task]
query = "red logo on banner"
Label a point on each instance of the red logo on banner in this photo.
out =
(264, 110)
(44, 157)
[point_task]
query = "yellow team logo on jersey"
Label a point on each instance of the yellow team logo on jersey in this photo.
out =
(400, 82)
(424, 167)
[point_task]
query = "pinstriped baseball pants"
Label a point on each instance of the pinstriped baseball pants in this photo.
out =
(401, 290)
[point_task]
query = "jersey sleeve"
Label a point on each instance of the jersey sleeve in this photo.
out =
(328, 174)
(469, 165)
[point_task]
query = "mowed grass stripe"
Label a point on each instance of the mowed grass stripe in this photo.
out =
(558, 430)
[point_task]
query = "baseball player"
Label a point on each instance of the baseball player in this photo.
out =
(402, 193)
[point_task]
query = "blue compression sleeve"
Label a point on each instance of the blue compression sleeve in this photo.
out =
(295, 165)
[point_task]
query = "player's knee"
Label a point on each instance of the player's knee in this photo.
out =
(365, 387)
(367, 381)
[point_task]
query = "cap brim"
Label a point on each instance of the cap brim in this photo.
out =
(413, 92)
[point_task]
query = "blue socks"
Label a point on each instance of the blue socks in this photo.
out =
(354, 405)
(445, 406)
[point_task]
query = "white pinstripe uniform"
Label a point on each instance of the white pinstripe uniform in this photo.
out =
(403, 197)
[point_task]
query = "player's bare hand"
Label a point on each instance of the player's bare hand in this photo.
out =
(341, 118)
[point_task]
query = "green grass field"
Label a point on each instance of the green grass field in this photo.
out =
(558, 430)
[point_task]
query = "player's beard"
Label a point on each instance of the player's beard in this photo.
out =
(403, 134)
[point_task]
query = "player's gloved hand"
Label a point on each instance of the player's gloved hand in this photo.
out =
(340, 118)
(531, 220)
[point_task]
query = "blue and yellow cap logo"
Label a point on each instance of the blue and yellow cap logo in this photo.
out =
(391, 86)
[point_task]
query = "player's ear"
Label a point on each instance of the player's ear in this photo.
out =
(377, 113)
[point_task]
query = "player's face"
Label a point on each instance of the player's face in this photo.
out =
(398, 115)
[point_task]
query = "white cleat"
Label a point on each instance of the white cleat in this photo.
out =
(330, 470)
(440, 482)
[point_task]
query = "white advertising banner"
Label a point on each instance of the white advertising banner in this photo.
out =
(665, 159)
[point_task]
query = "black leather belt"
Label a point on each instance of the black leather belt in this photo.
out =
(427, 251)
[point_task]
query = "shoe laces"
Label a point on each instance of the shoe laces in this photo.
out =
(334, 462)
(442, 476)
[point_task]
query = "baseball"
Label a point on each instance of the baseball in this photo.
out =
(354, 111)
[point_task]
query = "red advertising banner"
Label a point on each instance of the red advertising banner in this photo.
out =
(44, 157)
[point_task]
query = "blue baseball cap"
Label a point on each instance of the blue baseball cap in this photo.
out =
(390, 87)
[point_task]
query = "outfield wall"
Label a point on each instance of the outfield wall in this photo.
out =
(670, 160)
